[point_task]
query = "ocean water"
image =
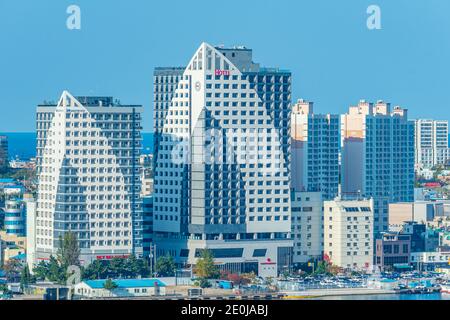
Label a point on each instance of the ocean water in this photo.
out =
(22, 145)
(434, 296)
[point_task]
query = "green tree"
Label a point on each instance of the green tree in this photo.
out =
(41, 271)
(56, 272)
(322, 268)
(12, 269)
(69, 252)
(118, 268)
(205, 267)
(96, 270)
(4, 289)
(203, 283)
(110, 285)
(26, 278)
(165, 266)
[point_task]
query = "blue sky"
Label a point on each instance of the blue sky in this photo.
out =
(334, 58)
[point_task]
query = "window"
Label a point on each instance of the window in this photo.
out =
(259, 253)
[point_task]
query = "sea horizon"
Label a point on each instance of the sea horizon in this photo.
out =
(22, 145)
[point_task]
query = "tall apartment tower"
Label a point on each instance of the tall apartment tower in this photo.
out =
(3, 152)
(315, 151)
(88, 168)
(378, 157)
(222, 161)
(431, 143)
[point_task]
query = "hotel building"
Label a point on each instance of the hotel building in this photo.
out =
(348, 233)
(222, 161)
(378, 157)
(88, 169)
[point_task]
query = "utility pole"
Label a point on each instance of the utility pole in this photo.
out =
(151, 261)
(154, 257)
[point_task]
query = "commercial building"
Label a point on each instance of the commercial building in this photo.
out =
(393, 252)
(11, 245)
(307, 226)
(431, 260)
(348, 233)
(418, 211)
(378, 156)
(431, 143)
(126, 288)
(417, 232)
(315, 151)
(222, 160)
(3, 152)
(88, 169)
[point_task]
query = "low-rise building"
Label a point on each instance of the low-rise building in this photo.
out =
(348, 233)
(11, 245)
(418, 211)
(393, 251)
(429, 261)
(125, 288)
(417, 232)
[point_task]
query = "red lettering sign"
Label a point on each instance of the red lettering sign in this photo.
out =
(222, 72)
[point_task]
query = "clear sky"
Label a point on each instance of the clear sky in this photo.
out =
(335, 59)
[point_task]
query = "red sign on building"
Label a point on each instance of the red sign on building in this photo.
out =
(222, 72)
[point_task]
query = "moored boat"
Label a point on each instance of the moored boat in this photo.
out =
(445, 288)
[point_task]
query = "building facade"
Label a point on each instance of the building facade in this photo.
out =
(15, 210)
(378, 156)
(307, 226)
(315, 151)
(393, 252)
(348, 233)
(3, 152)
(431, 143)
(88, 169)
(222, 160)
(146, 162)
(147, 205)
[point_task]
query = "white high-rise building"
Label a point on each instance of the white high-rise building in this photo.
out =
(222, 156)
(88, 168)
(431, 143)
(348, 233)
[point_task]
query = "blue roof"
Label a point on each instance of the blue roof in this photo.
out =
(15, 186)
(7, 180)
(21, 256)
(126, 283)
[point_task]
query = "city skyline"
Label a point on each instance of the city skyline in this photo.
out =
(410, 80)
(238, 150)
